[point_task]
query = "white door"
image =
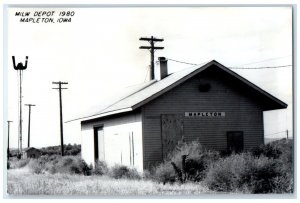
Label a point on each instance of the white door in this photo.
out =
(101, 152)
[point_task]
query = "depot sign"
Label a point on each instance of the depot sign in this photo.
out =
(204, 114)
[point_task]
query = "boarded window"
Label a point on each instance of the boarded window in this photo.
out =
(235, 141)
(172, 132)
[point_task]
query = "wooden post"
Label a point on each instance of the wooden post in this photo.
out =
(29, 105)
(152, 48)
(61, 115)
(8, 122)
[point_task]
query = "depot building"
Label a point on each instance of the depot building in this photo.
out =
(209, 103)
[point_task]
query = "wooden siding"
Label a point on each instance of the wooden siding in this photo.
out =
(242, 107)
(122, 140)
(87, 144)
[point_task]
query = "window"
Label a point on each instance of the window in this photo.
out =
(235, 141)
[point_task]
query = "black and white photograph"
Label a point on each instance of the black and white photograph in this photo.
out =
(116, 101)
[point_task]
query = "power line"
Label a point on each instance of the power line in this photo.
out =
(194, 64)
(270, 59)
(275, 133)
(262, 67)
(148, 69)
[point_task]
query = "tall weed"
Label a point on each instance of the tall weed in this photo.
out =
(100, 168)
(188, 162)
(120, 171)
(247, 174)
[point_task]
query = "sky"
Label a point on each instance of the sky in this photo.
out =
(98, 54)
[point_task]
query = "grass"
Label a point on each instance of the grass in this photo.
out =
(23, 182)
(265, 169)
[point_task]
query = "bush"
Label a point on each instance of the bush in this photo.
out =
(246, 173)
(36, 166)
(274, 149)
(56, 150)
(147, 175)
(268, 150)
(188, 162)
(259, 175)
(283, 184)
(20, 163)
(100, 168)
(57, 164)
(223, 175)
(71, 165)
(120, 171)
(165, 173)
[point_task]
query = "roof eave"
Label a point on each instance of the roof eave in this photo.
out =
(278, 102)
(88, 118)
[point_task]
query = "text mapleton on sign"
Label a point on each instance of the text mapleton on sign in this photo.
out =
(204, 114)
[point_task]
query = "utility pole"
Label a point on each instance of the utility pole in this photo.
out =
(8, 122)
(61, 115)
(152, 48)
(29, 105)
(287, 134)
(20, 67)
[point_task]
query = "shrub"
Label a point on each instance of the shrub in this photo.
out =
(147, 175)
(20, 163)
(100, 168)
(71, 165)
(282, 152)
(191, 149)
(259, 175)
(275, 149)
(40, 165)
(224, 173)
(283, 184)
(68, 150)
(270, 151)
(165, 173)
(188, 162)
(120, 171)
(246, 173)
(66, 164)
(51, 162)
(36, 166)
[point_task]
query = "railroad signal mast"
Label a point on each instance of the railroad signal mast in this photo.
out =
(20, 67)
(152, 49)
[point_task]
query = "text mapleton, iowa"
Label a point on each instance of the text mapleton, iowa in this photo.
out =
(46, 16)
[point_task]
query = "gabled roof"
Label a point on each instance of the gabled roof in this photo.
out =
(31, 148)
(156, 88)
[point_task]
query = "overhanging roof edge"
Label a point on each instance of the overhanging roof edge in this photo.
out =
(105, 114)
(283, 104)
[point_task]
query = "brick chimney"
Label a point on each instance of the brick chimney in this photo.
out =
(163, 63)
